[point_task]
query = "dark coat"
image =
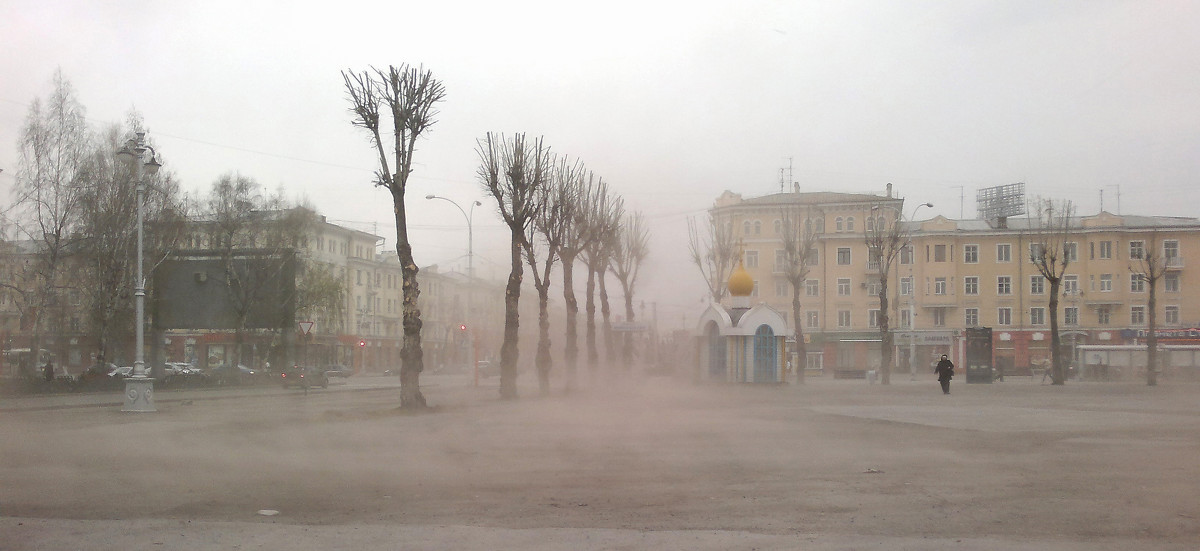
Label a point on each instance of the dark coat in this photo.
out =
(944, 370)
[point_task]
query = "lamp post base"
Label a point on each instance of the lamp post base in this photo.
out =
(139, 394)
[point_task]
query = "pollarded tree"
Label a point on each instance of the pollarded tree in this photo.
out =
(602, 220)
(715, 253)
(632, 246)
(575, 239)
(1051, 250)
(799, 233)
(1148, 266)
(514, 172)
(885, 237)
(410, 95)
(545, 239)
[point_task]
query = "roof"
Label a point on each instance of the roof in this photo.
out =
(729, 199)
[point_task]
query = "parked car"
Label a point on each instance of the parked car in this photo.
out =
(305, 377)
(223, 375)
(338, 371)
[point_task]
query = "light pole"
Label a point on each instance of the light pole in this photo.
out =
(470, 236)
(139, 389)
(912, 305)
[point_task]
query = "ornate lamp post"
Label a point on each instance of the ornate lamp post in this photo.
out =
(912, 306)
(139, 388)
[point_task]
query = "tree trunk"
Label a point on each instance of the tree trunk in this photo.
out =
(412, 358)
(1058, 371)
(509, 353)
(1151, 336)
(571, 347)
(627, 338)
(798, 332)
(542, 360)
(606, 320)
(593, 352)
(885, 332)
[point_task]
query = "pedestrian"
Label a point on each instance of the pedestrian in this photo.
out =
(48, 371)
(945, 372)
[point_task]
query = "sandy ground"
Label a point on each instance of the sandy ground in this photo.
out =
(648, 463)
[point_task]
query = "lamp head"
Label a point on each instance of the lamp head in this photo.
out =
(152, 166)
(478, 204)
(430, 196)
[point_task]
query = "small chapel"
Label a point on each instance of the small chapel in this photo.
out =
(742, 343)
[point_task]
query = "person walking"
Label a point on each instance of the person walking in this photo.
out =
(945, 372)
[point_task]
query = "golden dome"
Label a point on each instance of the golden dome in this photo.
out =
(741, 284)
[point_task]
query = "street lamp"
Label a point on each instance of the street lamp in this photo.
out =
(912, 305)
(470, 236)
(139, 389)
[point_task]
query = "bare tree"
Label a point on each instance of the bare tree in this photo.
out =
(576, 237)
(715, 253)
(885, 238)
(1148, 268)
(514, 172)
(603, 215)
(55, 161)
(549, 230)
(799, 252)
(410, 94)
(631, 248)
(1051, 251)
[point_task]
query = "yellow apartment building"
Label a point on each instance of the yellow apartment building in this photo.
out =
(957, 274)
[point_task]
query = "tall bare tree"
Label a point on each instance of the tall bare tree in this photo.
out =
(799, 237)
(1149, 267)
(576, 236)
(410, 94)
(715, 253)
(632, 246)
(1051, 250)
(55, 162)
(545, 239)
(514, 172)
(885, 238)
(603, 220)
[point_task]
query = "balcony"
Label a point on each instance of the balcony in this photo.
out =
(874, 266)
(1174, 262)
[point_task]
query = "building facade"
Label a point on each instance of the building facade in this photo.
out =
(955, 274)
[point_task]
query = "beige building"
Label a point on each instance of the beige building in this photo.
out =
(963, 273)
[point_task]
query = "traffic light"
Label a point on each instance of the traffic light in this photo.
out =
(462, 327)
(362, 343)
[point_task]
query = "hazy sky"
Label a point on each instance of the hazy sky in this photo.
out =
(671, 102)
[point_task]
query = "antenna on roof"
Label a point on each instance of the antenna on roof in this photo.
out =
(785, 178)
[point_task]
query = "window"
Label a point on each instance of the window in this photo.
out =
(746, 227)
(906, 286)
(754, 293)
(1070, 285)
(1137, 283)
(843, 286)
(838, 224)
(1170, 250)
(1071, 251)
(1003, 285)
(843, 258)
(906, 318)
(1137, 315)
(906, 254)
(358, 277)
(1037, 285)
(812, 287)
(971, 254)
(1036, 252)
(850, 223)
(939, 317)
(751, 259)
(814, 319)
(1106, 249)
(1004, 252)
(811, 258)
(1171, 316)
(874, 288)
(781, 261)
(778, 227)
(873, 316)
(1106, 282)
(1171, 283)
(939, 286)
(1004, 316)
(757, 227)
(939, 253)
(971, 317)
(1103, 315)
(1137, 249)
(843, 318)
(1071, 315)
(1037, 316)
(781, 287)
(971, 285)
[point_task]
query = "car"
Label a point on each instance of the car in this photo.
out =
(223, 374)
(305, 377)
(338, 371)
